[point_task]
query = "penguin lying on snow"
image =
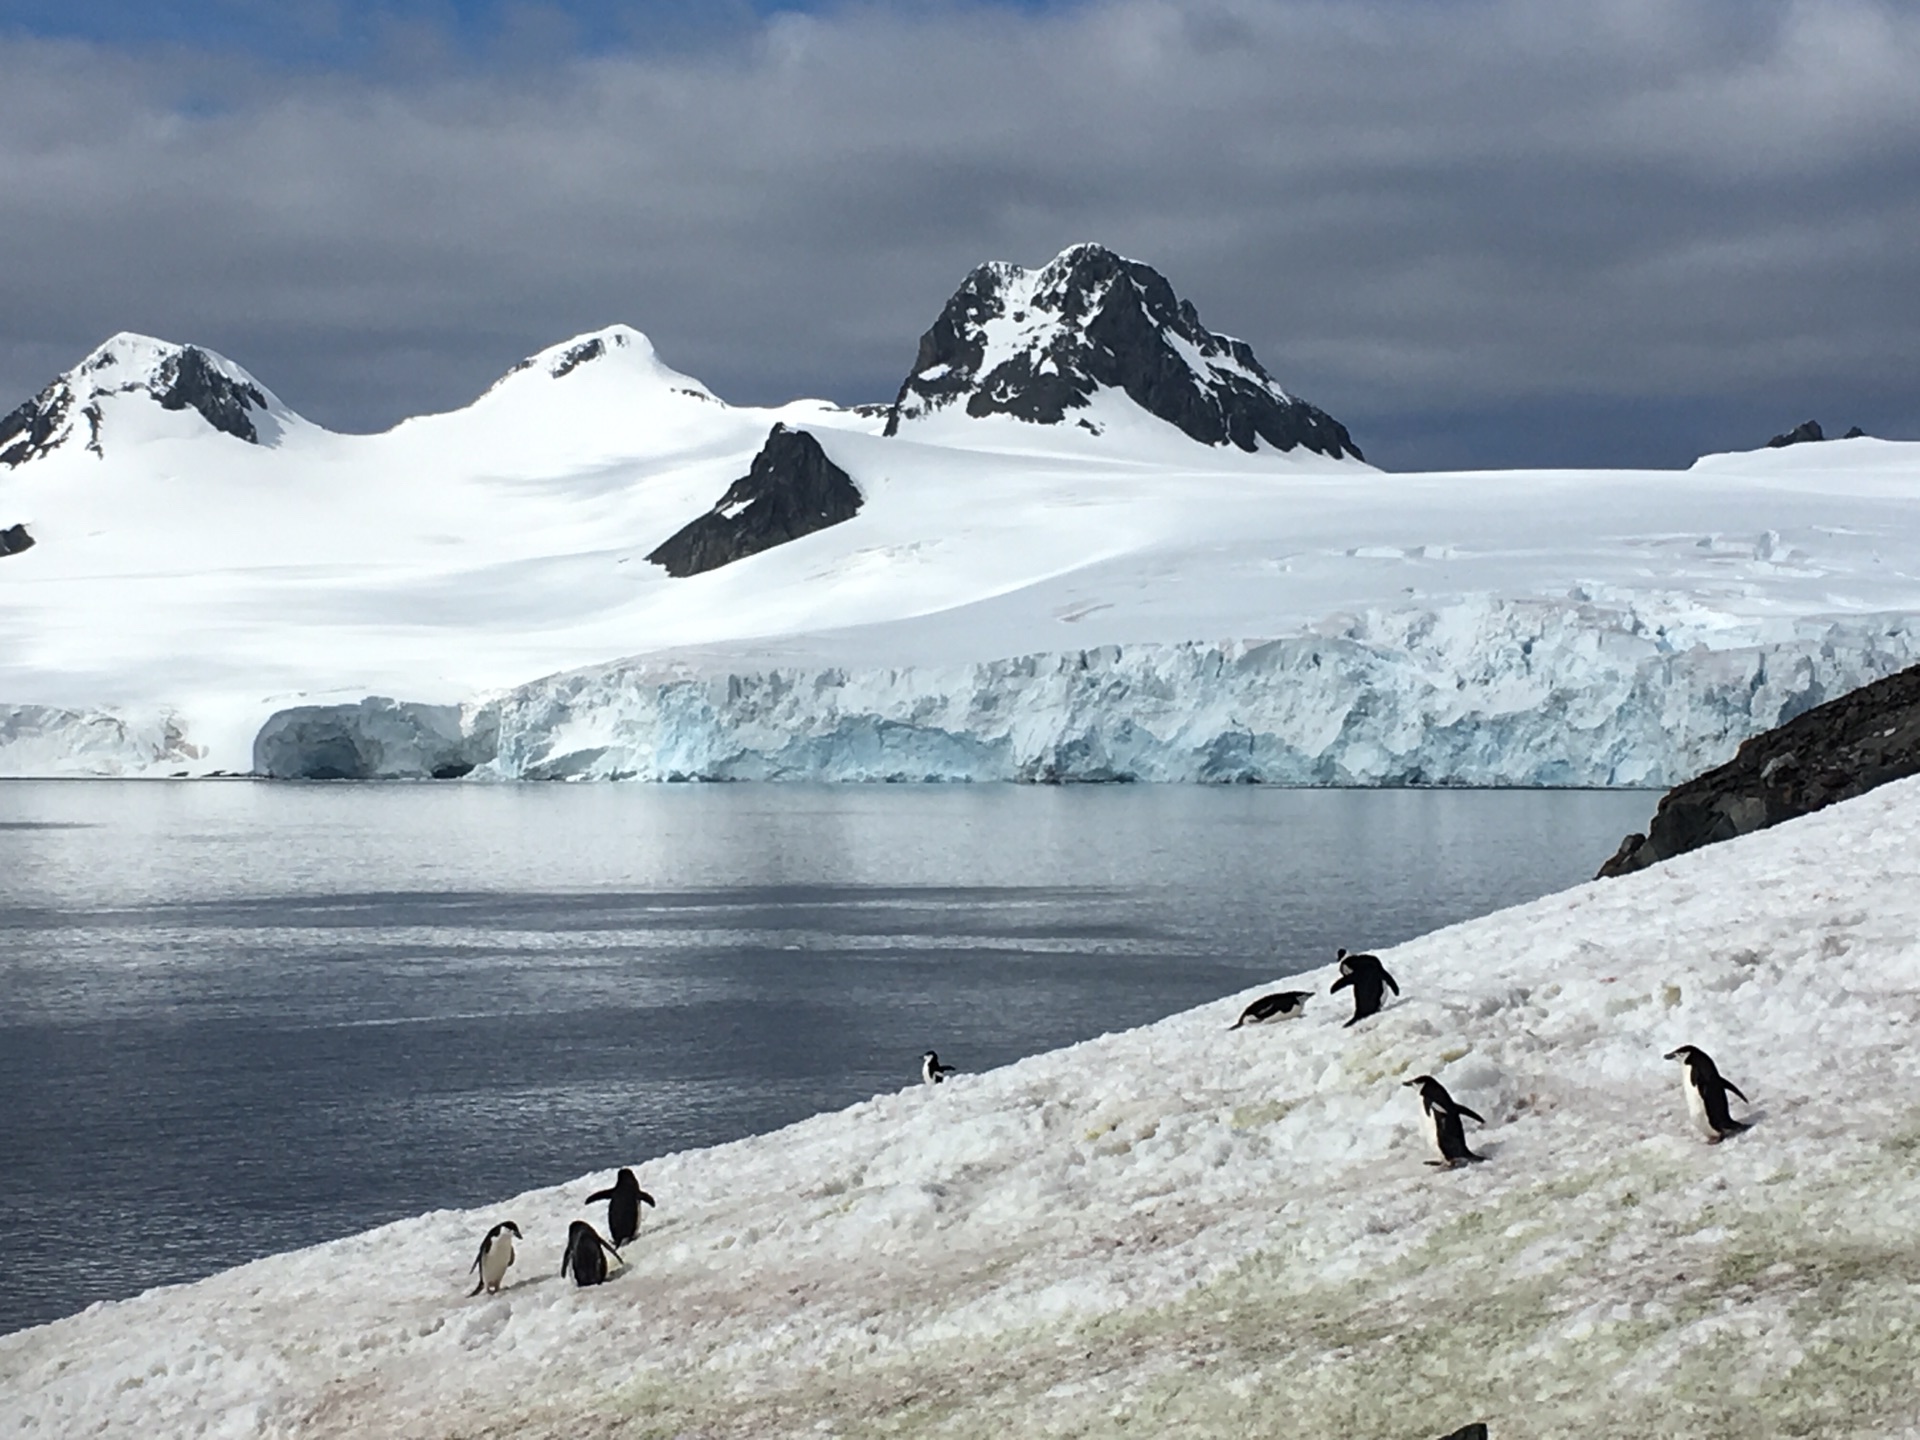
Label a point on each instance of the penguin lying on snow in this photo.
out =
(1707, 1094)
(1287, 1005)
(586, 1255)
(623, 1207)
(1443, 1113)
(496, 1254)
(932, 1072)
(1370, 981)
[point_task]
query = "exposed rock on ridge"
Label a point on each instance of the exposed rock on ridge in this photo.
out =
(791, 489)
(1039, 345)
(1832, 752)
(14, 539)
(1807, 431)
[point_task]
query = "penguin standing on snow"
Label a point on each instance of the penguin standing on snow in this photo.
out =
(1707, 1094)
(932, 1072)
(623, 1206)
(586, 1255)
(496, 1254)
(1443, 1113)
(1287, 1005)
(1370, 982)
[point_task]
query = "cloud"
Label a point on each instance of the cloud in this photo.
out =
(1477, 230)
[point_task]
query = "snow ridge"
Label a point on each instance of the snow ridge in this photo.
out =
(1041, 345)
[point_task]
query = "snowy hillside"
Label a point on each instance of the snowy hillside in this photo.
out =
(1186, 1230)
(1015, 594)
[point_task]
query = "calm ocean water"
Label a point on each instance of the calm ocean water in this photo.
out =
(240, 1018)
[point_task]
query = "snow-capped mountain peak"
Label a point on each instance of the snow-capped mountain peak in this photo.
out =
(131, 374)
(1040, 344)
(618, 352)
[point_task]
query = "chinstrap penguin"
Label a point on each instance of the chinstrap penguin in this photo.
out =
(623, 1206)
(496, 1254)
(1706, 1090)
(932, 1072)
(1370, 981)
(1287, 1005)
(1444, 1129)
(586, 1255)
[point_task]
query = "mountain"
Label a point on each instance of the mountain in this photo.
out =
(112, 393)
(1042, 345)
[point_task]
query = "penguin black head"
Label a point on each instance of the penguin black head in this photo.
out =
(1685, 1052)
(506, 1225)
(1419, 1082)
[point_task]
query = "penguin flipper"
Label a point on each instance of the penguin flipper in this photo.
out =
(646, 1199)
(1735, 1089)
(598, 1195)
(478, 1286)
(1342, 983)
(1462, 1110)
(1392, 984)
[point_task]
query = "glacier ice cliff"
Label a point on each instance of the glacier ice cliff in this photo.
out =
(50, 740)
(375, 739)
(1493, 693)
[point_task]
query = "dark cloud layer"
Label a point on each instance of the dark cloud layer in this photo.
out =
(1478, 232)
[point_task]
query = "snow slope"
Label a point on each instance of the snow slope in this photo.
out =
(1181, 1230)
(186, 585)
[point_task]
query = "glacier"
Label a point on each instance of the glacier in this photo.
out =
(1478, 693)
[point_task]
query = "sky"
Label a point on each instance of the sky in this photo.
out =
(1479, 232)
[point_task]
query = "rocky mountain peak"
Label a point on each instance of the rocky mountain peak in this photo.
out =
(176, 377)
(1039, 344)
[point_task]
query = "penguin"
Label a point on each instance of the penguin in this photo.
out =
(932, 1072)
(1443, 1112)
(1369, 979)
(623, 1208)
(496, 1254)
(1707, 1091)
(1287, 1005)
(586, 1255)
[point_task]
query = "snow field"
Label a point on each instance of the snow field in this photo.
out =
(1183, 1230)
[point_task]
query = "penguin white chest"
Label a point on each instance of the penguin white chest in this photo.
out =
(493, 1264)
(1436, 1132)
(1696, 1103)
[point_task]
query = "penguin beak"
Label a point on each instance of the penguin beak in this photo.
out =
(1671, 1055)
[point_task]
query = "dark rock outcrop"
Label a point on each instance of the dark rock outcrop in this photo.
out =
(35, 426)
(1832, 752)
(791, 489)
(377, 739)
(1037, 346)
(1800, 434)
(1808, 431)
(187, 380)
(1467, 1432)
(14, 539)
